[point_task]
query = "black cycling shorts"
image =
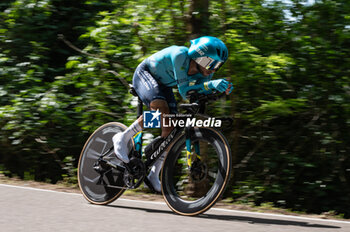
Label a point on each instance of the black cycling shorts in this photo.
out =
(149, 89)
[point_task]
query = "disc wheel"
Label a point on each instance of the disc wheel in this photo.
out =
(93, 187)
(191, 191)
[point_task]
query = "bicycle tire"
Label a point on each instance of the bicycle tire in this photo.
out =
(98, 143)
(218, 172)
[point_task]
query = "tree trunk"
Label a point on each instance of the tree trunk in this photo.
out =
(198, 20)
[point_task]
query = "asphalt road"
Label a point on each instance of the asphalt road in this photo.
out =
(28, 209)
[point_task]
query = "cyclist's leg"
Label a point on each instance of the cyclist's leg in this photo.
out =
(123, 141)
(166, 104)
(168, 95)
(157, 97)
(151, 95)
(154, 95)
(153, 176)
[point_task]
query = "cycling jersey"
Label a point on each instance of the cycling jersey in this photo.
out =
(149, 89)
(170, 67)
(155, 76)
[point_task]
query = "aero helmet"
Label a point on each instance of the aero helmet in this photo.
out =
(209, 52)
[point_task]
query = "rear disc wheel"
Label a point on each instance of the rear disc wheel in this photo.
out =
(95, 189)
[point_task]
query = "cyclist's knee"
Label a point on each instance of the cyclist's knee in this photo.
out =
(161, 105)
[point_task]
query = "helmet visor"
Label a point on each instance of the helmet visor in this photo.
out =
(208, 63)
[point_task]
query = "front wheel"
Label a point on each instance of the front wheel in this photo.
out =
(191, 191)
(95, 187)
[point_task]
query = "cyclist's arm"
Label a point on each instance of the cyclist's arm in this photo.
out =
(201, 86)
(182, 77)
(201, 81)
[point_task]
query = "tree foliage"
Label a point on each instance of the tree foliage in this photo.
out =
(288, 62)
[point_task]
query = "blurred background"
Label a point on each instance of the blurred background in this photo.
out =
(289, 63)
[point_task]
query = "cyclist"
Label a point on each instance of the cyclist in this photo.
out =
(153, 81)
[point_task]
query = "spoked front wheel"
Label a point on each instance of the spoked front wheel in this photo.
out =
(100, 183)
(191, 191)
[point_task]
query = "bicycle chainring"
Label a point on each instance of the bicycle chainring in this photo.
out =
(135, 173)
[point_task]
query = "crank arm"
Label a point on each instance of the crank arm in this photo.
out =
(117, 187)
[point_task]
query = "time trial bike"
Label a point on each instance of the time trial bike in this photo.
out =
(195, 171)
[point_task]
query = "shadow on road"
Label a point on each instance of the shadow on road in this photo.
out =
(256, 220)
(251, 220)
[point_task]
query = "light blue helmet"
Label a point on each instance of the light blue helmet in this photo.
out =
(209, 52)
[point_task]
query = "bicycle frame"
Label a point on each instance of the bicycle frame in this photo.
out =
(162, 147)
(171, 138)
(168, 140)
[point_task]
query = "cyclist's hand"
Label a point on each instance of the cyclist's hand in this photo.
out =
(229, 89)
(220, 85)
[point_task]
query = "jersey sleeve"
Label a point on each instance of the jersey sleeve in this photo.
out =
(201, 81)
(180, 73)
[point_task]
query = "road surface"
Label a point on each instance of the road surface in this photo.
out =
(28, 209)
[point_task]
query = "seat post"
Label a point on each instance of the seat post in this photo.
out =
(139, 107)
(139, 102)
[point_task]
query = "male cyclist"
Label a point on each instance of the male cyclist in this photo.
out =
(153, 81)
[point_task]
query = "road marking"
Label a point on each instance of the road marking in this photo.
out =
(37, 189)
(163, 203)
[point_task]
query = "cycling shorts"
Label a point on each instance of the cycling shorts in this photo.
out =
(149, 89)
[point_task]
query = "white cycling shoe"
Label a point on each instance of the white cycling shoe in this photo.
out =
(122, 147)
(153, 176)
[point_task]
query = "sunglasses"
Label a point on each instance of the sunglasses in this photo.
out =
(208, 63)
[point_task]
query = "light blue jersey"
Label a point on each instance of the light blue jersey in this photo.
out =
(170, 67)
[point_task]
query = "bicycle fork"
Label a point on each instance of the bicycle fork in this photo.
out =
(189, 148)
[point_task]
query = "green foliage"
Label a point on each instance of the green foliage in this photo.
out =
(288, 63)
(292, 109)
(41, 115)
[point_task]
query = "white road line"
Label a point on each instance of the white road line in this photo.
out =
(36, 189)
(212, 209)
